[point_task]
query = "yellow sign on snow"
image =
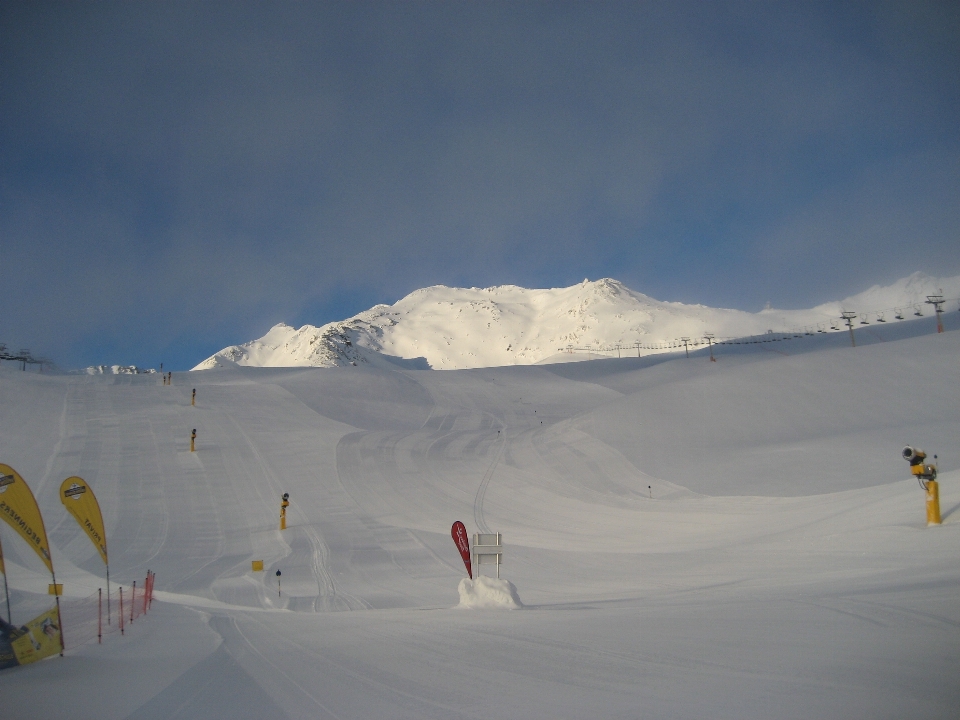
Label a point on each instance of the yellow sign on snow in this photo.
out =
(78, 498)
(19, 508)
(41, 639)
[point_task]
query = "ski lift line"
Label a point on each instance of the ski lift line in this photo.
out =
(709, 339)
(864, 320)
(23, 356)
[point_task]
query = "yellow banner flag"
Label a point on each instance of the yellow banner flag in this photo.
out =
(19, 508)
(80, 501)
(40, 638)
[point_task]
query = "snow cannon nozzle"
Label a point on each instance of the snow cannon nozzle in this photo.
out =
(913, 455)
(916, 456)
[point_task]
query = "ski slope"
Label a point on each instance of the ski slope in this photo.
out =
(738, 539)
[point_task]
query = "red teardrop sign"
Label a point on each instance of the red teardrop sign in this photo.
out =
(459, 534)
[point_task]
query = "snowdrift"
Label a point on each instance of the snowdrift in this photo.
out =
(487, 593)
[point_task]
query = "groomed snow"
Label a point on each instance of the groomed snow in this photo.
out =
(738, 539)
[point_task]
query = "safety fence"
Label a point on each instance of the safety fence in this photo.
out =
(87, 620)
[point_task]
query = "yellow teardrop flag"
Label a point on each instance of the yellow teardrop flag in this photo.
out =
(19, 508)
(78, 498)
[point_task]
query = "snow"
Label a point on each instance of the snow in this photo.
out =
(116, 370)
(487, 593)
(730, 539)
(456, 328)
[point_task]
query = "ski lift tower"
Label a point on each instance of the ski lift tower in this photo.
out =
(709, 337)
(848, 317)
(937, 302)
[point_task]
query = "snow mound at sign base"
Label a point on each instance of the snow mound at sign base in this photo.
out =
(486, 593)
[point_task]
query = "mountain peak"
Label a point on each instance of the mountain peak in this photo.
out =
(451, 328)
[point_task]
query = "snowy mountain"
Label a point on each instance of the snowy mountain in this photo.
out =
(455, 328)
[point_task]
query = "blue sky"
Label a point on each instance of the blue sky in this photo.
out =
(177, 177)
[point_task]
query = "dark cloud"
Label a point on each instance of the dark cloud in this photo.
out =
(178, 176)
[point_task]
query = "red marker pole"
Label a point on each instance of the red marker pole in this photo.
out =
(459, 534)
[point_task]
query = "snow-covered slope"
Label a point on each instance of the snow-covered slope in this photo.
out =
(456, 328)
(689, 539)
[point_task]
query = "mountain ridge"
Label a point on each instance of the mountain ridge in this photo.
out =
(441, 327)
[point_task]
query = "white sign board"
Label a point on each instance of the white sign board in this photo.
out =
(487, 548)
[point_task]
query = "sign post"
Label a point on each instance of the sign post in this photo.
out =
(485, 547)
